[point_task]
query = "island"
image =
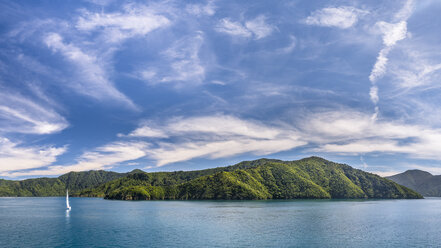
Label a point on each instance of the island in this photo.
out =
(262, 179)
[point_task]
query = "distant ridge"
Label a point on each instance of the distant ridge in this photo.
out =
(421, 181)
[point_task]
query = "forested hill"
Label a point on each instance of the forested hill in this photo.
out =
(421, 181)
(74, 181)
(309, 178)
(78, 181)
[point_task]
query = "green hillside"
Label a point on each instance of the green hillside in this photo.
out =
(310, 178)
(74, 181)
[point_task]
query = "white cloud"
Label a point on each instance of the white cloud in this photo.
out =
(219, 124)
(348, 132)
(365, 146)
(339, 132)
(417, 69)
(373, 93)
(171, 153)
(406, 11)
(20, 114)
(93, 80)
(215, 137)
(233, 28)
(185, 64)
(122, 25)
(392, 32)
(13, 156)
(100, 158)
(342, 132)
(379, 68)
(199, 9)
(257, 28)
(341, 17)
(335, 126)
(146, 131)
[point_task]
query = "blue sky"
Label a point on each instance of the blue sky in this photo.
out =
(182, 85)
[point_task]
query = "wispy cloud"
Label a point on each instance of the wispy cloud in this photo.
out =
(14, 156)
(418, 69)
(185, 61)
(379, 68)
(146, 131)
(257, 28)
(215, 137)
(340, 17)
(233, 28)
(88, 42)
(373, 93)
(355, 133)
(345, 132)
(93, 79)
(182, 63)
(392, 33)
(100, 158)
(21, 115)
(208, 9)
(118, 26)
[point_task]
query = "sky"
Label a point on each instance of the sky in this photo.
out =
(186, 85)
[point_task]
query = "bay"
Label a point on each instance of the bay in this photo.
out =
(94, 222)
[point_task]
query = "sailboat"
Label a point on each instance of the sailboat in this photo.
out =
(67, 200)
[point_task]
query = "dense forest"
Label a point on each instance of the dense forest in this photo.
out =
(74, 181)
(309, 178)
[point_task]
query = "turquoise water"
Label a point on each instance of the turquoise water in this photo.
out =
(94, 222)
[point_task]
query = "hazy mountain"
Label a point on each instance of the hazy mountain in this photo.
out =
(421, 181)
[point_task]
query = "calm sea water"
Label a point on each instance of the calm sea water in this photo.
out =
(94, 222)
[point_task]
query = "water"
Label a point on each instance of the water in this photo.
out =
(94, 222)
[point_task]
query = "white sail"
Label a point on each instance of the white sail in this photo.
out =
(67, 200)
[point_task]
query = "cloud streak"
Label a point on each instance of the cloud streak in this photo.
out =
(118, 26)
(93, 80)
(355, 133)
(257, 28)
(339, 17)
(215, 137)
(18, 114)
(100, 158)
(15, 157)
(391, 34)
